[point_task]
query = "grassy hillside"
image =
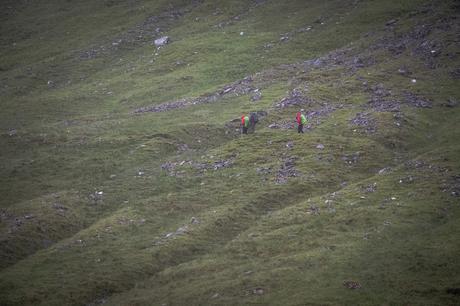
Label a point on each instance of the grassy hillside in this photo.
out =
(125, 179)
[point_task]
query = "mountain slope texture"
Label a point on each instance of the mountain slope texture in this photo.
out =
(126, 180)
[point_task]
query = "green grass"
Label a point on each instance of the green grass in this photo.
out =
(88, 215)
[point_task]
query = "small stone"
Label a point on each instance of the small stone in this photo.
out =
(391, 22)
(414, 81)
(256, 96)
(320, 146)
(162, 41)
(258, 291)
(12, 132)
(241, 33)
(384, 170)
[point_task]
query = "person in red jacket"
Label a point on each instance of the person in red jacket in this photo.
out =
(301, 120)
(245, 123)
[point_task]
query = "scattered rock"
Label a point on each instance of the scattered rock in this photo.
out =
(370, 188)
(264, 171)
(59, 207)
(268, 46)
(352, 284)
(384, 170)
(165, 106)
(169, 166)
(180, 231)
(295, 97)
(96, 197)
(194, 221)
(241, 87)
(455, 73)
(417, 101)
(283, 125)
(314, 210)
(140, 34)
(12, 132)
(381, 99)
(284, 38)
(182, 147)
(286, 171)
(452, 186)
(222, 164)
(290, 144)
(320, 146)
(351, 159)
(404, 71)
(256, 96)
(406, 180)
(451, 103)
(391, 22)
(420, 32)
(364, 120)
(172, 167)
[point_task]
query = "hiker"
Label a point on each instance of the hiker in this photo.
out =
(245, 123)
(253, 119)
(301, 120)
(248, 123)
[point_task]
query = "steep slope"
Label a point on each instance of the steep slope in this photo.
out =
(125, 180)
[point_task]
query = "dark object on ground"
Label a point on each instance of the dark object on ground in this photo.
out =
(454, 291)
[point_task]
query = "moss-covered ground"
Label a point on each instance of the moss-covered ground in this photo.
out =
(105, 202)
